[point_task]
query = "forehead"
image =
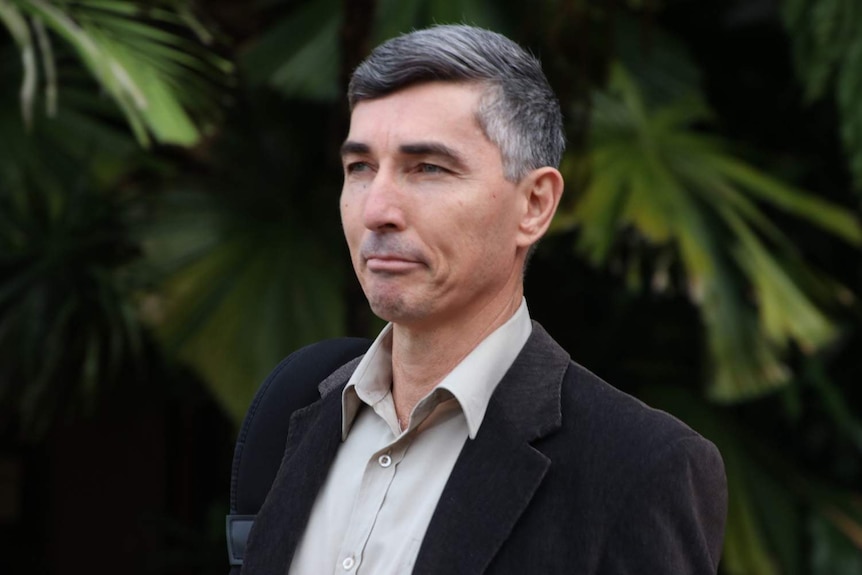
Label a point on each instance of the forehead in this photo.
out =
(432, 109)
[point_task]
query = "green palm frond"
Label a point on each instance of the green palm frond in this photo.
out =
(68, 328)
(655, 177)
(827, 45)
(301, 54)
(142, 54)
(237, 296)
(248, 255)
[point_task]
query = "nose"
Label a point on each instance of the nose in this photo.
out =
(384, 204)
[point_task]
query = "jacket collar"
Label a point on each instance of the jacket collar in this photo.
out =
(497, 474)
(492, 482)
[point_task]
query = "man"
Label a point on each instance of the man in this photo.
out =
(465, 440)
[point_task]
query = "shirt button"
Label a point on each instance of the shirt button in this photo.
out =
(384, 460)
(348, 563)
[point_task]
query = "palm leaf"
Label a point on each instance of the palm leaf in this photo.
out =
(68, 323)
(237, 296)
(161, 79)
(248, 257)
(827, 46)
(661, 182)
(301, 54)
(17, 25)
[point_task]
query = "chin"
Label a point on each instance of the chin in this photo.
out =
(394, 308)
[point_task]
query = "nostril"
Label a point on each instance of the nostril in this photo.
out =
(390, 226)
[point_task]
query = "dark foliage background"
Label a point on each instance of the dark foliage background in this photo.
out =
(169, 231)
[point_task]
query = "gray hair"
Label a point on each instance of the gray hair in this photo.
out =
(518, 111)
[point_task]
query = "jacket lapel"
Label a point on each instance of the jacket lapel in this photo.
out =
(491, 484)
(497, 473)
(308, 455)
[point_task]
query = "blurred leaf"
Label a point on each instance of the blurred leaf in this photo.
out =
(827, 46)
(831, 552)
(162, 80)
(655, 179)
(240, 296)
(394, 17)
(15, 22)
(69, 329)
(300, 54)
(658, 62)
(67, 323)
(249, 253)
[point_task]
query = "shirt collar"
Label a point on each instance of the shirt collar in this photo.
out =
(372, 377)
(471, 382)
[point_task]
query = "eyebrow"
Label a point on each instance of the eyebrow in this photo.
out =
(433, 149)
(349, 147)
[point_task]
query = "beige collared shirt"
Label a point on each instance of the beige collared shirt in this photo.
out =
(373, 510)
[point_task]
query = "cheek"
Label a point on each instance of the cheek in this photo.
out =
(478, 226)
(348, 214)
(351, 228)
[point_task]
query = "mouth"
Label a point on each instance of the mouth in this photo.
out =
(393, 264)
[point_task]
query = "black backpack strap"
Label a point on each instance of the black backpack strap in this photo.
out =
(259, 448)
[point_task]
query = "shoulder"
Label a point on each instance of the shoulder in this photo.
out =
(660, 486)
(597, 403)
(622, 426)
(630, 455)
(545, 385)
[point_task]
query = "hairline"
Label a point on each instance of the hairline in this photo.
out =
(489, 92)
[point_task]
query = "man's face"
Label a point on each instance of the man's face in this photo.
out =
(431, 223)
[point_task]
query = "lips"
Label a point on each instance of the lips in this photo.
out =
(388, 253)
(389, 263)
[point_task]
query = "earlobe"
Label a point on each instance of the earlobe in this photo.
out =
(542, 190)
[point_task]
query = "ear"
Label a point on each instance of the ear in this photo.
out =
(542, 191)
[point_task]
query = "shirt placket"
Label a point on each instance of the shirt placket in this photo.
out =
(377, 478)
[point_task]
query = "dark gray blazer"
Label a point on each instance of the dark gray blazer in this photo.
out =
(566, 475)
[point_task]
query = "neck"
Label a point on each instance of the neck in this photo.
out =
(423, 356)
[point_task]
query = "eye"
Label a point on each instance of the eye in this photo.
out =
(354, 167)
(431, 169)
